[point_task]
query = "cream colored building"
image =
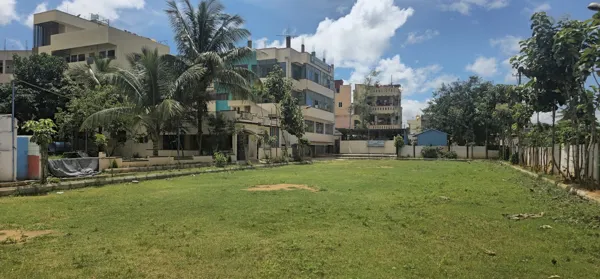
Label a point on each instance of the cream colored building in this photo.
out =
(77, 39)
(416, 125)
(6, 63)
(386, 102)
(313, 86)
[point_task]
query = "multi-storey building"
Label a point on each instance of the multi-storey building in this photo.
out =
(343, 106)
(313, 87)
(386, 105)
(417, 125)
(6, 63)
(78, 39)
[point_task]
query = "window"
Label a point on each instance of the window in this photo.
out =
(1, 67)
(111, 54)
(320, 128)
(297, 72)
(8, 67)
(246, 108)
(170, 142)
(68, 59)
(339, 104)
(275, 133)
(310, 126)
(329, 129)
(102, 54)
(81, 57)
(73, 58)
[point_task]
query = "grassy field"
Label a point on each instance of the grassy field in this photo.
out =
(368, 219)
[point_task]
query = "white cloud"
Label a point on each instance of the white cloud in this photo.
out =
(465, 6)
(412, 108)
(14, 44)
(42, 7)
(341, 9)
(7, 12)
(360, 37)
(416, 37)
(537, 7)
(413, 80)
(484, 66)
(261, 43)
(509, 45)
(106, 8)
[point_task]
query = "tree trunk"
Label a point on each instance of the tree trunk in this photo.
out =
(44, 164)
(553, 136)
(199, 115)
(486, 142)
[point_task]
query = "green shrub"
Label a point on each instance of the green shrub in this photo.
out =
(398, 142)
(450, 155)
(514, 159)
(430, 152)
(114, 165)
(220, 159)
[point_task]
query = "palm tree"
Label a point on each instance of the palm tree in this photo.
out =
(205, 38)
(94, 74)
(148, 86)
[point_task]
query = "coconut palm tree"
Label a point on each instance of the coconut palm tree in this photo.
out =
(94, 74)
(205, 37)
(148, 86)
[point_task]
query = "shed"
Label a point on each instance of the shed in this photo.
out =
(432, 137)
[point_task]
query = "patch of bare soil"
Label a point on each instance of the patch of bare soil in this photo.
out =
(16, 236)
(277, 187)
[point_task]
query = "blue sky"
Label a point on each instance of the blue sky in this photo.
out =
(417, 43)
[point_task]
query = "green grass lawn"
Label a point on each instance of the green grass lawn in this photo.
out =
(369, 219)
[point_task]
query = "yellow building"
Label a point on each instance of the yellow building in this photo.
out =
(416, 125)
(77, 39)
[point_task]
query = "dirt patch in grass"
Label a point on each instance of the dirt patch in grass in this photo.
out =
(277, 187)
(16, 236)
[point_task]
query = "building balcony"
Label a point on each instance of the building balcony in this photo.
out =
(385, 127)
(83, 38)
(385, 109)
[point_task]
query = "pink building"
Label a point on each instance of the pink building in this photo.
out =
(343, 104)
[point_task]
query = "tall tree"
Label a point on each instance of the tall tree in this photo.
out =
(538, 63)
(41, 87)
(148, 87)
(205, 37)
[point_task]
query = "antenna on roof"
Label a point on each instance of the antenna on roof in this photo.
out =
(288, 37)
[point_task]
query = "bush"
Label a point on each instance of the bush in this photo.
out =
(450, 155)
(220, 159)
(514, 159)
(114, 164)
(429, 152)
(398, 142)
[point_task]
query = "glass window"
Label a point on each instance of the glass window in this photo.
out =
(329, 129)
(73, 58)
(111, 54)
(68, 59)
(102, 54)
(339, 104)
(81, 57)
(310, 126)
(320, 128)
(1, 67)
(296, 72)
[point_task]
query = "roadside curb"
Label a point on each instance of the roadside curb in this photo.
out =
(76, 184)
(570, 188)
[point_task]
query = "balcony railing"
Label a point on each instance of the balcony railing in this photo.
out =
(385, 108)
(385, 127)
(246, 116)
